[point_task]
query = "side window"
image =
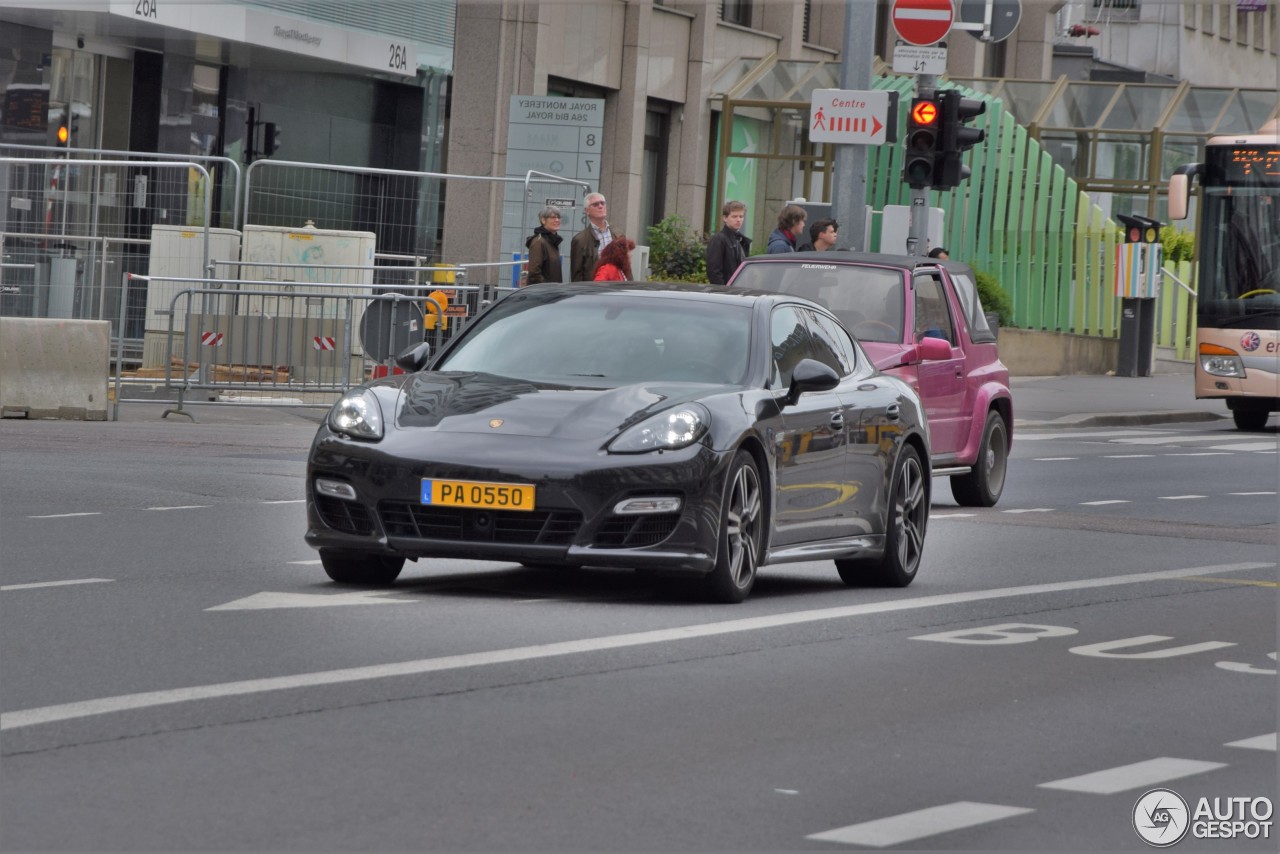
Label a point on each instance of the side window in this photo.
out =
(967, 291)
(791, 343)
(831, 343)
(933, 316)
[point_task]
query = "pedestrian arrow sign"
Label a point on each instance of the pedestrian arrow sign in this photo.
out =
(853, 116)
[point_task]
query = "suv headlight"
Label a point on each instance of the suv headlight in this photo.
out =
(667, 431)
(357, 414)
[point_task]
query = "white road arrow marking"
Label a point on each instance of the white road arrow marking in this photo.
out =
(262, 601)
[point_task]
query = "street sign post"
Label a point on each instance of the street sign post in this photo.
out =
(922, 22)
(912, 59)
(853, 116)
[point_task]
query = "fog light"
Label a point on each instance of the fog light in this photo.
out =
(335, 489)
(648, 504)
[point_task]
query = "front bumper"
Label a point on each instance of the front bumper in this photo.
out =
(573, 522)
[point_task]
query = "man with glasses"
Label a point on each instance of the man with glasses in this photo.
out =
(584, 249)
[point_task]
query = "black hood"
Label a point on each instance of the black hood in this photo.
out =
(552, 237)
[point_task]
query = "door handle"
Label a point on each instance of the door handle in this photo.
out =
(893, 411)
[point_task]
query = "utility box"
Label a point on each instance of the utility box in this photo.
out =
(300, 257)
(178, 252)
(1139, 270)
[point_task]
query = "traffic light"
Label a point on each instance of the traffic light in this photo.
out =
(64, 134)
(1140, 229)
(270, 138)
(955, 138)
(922, 141)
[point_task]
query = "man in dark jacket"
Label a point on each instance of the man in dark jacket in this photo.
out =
(586, 245)
(728, 247)
(791, 221)
(544, 248)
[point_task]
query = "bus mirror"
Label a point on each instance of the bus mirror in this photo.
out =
(1178, 186)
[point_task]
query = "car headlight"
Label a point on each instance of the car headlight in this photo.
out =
(667, 431)
(357, 414)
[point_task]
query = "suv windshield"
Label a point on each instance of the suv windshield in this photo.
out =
(867, 300)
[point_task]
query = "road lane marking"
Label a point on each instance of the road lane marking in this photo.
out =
(1136, 776)
(124, 702)
(268, 600)
(1179, 497)
(1247, 446)
(1261, 742)
(35, 584)
(1107, 501)
(1201, 454)
(1126, 456)
(182, 507)
(933, 516)
(286, 501)
(1030, 510)
(313, 562)
(1101, 434)
(1234, 581)
(64, 515)
(1052, 459)
(1272, 492)
(910, 826)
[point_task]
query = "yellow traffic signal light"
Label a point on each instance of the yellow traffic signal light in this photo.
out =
(64, 134)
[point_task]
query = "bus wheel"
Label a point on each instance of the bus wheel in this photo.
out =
(1250, 418)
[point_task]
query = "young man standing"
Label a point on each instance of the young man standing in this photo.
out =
(790, 225)
(584, 249)
(728, 247)
(822, 236)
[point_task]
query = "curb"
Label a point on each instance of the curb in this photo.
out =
(1121, 419)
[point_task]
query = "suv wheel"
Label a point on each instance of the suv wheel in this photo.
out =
(982, 486)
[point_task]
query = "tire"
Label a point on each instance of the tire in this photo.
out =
(742, 521)
(1251, 419)
(982, 486)
(345, 568)
(904, 535)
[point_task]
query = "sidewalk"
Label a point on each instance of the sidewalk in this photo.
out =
(1102, 401)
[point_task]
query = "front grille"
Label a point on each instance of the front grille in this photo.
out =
(539, 527)
(624, 532)
(348, 516)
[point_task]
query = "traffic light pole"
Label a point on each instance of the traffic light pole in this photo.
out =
(918, 232)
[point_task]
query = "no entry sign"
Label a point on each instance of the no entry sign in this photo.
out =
(922, 22)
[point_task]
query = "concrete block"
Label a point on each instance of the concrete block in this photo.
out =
(1031, 353)
(54, 368)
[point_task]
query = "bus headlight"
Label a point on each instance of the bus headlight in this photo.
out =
(1218, 361)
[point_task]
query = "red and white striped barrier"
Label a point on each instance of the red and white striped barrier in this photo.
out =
(322, 343)
(211, 339)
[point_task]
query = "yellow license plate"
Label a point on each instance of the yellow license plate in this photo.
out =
(470, 493)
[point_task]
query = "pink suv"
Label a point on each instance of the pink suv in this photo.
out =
(919, 319)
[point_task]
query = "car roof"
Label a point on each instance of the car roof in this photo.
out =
(845, 256)
(678, 290)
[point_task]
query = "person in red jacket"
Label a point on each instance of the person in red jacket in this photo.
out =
(615, 260)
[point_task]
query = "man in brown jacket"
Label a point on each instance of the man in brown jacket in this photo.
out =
(584, 249)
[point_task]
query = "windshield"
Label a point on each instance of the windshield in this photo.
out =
(1240, 256)
(606, 339)
(867, 300)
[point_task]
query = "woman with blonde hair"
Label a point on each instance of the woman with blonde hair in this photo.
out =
(615, 260)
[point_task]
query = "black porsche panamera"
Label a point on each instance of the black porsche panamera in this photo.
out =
(670, 428)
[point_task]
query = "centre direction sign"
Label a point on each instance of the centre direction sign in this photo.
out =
(922, 22)
(852, 116)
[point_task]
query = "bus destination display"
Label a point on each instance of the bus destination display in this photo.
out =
(1243, 165)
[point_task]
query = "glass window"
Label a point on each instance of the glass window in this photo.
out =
(832, 340)
(971, 305)
(791, 343)
(933, 315)
(736, 12)
(867, 300)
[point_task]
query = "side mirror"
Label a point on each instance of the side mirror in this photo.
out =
(811, 375)
(930, 349)
(414, 358)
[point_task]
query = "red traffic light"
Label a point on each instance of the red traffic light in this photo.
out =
(924, 112)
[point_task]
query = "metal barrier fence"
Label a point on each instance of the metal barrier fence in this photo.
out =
(264, 342)
(70, 228)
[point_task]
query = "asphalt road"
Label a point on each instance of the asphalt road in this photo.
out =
(178, 674)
